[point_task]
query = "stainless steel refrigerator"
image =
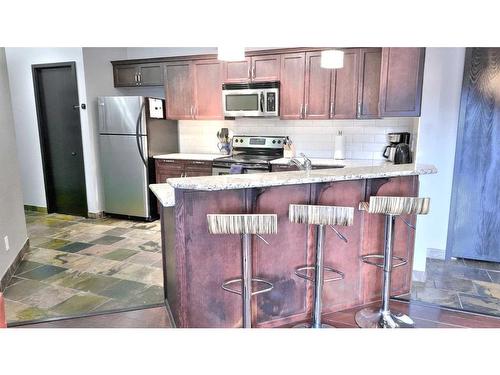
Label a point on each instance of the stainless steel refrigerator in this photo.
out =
(132, 129)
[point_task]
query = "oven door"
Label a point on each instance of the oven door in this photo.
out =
(221, 170)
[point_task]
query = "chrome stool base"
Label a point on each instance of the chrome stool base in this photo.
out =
(309, 325)
(376, 318)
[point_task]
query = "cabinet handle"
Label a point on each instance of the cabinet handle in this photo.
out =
(249, 73)
(197, 162)
(136, 79)
(185, 174)
(331, 109)
(139, 76)
(191, 111)
(358, 114)
(253, 72)
(305, 110)
(301, 111)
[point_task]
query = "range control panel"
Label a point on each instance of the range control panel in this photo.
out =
(245, 141)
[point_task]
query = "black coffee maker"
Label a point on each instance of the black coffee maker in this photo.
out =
(399, 149)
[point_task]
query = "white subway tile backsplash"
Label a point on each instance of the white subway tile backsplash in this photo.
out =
(365, 139)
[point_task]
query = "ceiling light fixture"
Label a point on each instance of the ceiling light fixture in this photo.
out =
(231, 53)
(332, 59)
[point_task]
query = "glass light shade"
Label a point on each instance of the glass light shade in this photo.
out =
(332, 59)
(231, 53)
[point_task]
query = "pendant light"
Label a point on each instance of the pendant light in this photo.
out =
(332, 59)
(231, 53)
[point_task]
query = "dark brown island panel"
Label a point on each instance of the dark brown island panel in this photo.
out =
(196, 263)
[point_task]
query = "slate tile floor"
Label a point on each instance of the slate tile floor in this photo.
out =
(77, 265)
(459, 283)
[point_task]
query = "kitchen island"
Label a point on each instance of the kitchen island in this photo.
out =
(197, 263)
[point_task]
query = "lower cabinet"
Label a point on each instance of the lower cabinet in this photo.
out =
(175, 168)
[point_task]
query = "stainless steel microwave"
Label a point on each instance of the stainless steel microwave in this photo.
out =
(258, 99)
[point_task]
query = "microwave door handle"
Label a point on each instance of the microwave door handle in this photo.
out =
(262, 101)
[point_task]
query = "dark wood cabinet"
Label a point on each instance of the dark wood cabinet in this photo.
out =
(193, 90)
(344, 87)
(237, 71)
(179, 91)
(369, 83)
(207, 89)
(252, 69)
(292, 86)
(132, 75)
(401, 81)
(317, 88)
(174, 168)
(150, 74)
(265, 68)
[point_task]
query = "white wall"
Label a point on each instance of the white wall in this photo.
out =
(19, 61)
(365, 139)
(12, 221)
(437, 139)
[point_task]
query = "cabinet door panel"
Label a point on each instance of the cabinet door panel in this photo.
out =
(401, 81)
(345, 83)
(292, 86)
(369, 83)
(179, 90)
(125, 75)
(208, 89)
(317, 88)
(237, 71)
(151, 74)
(265, 68)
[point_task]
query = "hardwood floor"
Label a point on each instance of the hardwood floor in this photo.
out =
(157, 317)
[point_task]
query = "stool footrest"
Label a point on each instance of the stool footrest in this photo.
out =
(368, 260)
(303, 275)
(226, 286)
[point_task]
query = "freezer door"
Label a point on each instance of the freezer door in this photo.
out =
(119, 114)
(124, 176)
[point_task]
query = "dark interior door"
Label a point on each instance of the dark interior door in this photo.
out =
(474, 230)
(58, 113)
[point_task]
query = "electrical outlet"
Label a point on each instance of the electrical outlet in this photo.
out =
(6, 240)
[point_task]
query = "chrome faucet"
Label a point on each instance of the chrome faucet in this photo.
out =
(305, 166)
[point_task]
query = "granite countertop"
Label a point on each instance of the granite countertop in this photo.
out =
(182, 156)
(243, 181)
(165, 192)
(333, 162)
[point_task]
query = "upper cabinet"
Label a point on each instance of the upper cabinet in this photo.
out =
(292, 86)
(179, 91)
(252, 69)
(132, 75)
(373, 83)
(401, 81)
(369, 82)
(193, 90)
(207, 89)
(311, 92)
(344, 87)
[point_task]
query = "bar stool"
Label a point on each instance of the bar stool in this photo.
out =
(320, 216)
(244, 225)
(391, 207)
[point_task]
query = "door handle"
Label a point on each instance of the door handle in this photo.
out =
(76, 106)
(73, 153)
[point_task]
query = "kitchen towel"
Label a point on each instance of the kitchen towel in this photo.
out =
(339, 147)
(236, 169)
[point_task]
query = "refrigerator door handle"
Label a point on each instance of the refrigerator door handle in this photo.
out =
(138, 135)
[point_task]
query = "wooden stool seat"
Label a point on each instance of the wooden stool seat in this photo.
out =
(396, 205)
(242, 223)
(321, 215)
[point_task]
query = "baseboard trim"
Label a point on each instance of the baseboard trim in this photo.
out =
(43, 210)
(13, 267)
(95, 215)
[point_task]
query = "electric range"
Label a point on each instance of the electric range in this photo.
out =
(251, 154)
